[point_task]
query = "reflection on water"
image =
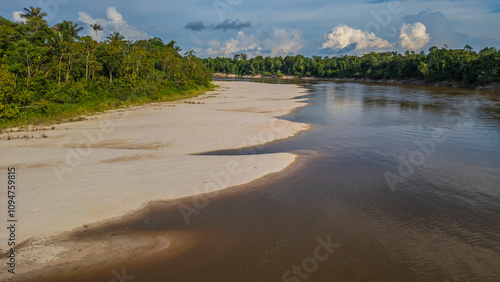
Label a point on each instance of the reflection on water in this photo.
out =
(440, 149)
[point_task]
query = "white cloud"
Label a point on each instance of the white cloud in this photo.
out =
(345, 39)
(215, 44)
(284, 42)
(274, 42)
(414, 36)
(440, 29)
(242, 43)
(114, 23)
(197, 41)
(86, 18)
(16, 16)
(115, 18)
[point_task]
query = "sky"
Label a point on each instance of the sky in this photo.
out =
(279, 28)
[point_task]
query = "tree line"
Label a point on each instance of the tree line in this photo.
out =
(53, 71)
(439, 64)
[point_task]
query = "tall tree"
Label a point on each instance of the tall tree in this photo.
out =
(57, 43)
(116, 38)
(69, 30)
(96, 27)
(90, 46)
(112, 54)
(65, 34)
(34, 17)
(24, 59)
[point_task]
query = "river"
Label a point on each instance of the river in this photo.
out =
(393, 183)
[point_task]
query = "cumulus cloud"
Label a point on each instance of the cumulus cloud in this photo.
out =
(16, 16)
(115, 18)
(243, 43)
(284, 41)
(273, 42)
(346, 39)
(196, 26)
(439, 28)
(232, 24)
(414, 36)
(114, 23)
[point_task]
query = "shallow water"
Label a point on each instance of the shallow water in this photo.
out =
(439, 220)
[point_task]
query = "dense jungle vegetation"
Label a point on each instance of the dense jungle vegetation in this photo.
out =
(463, 66)
(49, 73)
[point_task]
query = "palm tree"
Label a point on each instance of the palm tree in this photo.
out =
(97, 27)
(114, 53)
(68, 29)
(34, 17)
(33, 12)
(115, 38)
(58, 44)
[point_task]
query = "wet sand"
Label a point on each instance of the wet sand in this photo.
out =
(81, 184)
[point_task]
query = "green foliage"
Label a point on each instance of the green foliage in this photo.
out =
(7, 86)
(462, 66)
(53, 72)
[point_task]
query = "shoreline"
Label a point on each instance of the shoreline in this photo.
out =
(490, 87)
(45, 121)
(114, 164)
(149, 245)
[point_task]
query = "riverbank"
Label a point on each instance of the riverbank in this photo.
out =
(79, 175)
(70, 112)
(493, 87)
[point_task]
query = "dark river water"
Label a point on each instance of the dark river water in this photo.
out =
(393, 183)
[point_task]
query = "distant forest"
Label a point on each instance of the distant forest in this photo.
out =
(51, 72)
(463, 66)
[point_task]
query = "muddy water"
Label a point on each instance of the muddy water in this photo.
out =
(394, 183)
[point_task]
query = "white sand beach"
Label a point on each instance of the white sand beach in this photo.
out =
(111, 164)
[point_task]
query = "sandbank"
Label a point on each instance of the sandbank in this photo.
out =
(73, 174)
